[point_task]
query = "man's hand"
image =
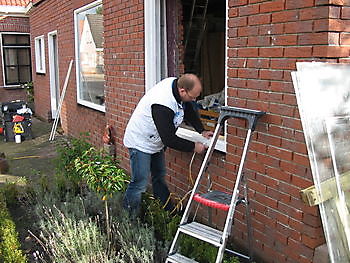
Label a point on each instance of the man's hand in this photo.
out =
(199, 148)
(207, 134)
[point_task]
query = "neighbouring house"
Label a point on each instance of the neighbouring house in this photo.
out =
(15, 59)
(243, 50)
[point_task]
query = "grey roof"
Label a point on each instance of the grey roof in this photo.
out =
(96, 26)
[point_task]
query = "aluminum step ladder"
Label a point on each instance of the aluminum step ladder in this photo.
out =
(216, 199)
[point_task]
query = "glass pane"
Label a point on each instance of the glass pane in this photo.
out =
(322, 91)
(91, 64)
(23, 56)
(10, 57)
(16, 40)
(24, 74)
(338, 129)
(23, 40)
(9, 39)
(11, 75)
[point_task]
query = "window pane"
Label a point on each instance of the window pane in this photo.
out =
(91, 64)
(10, 57)
(23, 56)
(24, 74)
(23, 40)
(16, 40)
(9, 40)
(11, 75)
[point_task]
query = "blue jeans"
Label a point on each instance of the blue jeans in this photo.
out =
(142, 166)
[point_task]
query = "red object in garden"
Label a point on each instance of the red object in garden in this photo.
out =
(1, 130)
(17, 118)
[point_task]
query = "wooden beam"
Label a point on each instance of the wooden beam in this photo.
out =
(311, 196)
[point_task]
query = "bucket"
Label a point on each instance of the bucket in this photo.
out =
(18, 138)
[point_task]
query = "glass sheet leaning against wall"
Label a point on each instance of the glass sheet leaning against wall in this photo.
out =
(323, 95)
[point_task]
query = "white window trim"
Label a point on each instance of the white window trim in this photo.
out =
(40, 54)
(77, 58)
(3, 58)
(52, 73)
(153, 74)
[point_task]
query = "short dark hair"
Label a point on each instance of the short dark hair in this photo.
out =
(187, 81)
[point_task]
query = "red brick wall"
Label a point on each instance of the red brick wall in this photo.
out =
(266, 39)
(12, 24)
(124, 64)
(57, 15)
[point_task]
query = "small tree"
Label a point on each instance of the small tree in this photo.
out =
(102, 175)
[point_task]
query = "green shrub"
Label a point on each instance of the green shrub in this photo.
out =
(101, 172)
(68, 151)
(9, 245)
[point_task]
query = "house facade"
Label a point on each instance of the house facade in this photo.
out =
(242, 50)
(15, 69)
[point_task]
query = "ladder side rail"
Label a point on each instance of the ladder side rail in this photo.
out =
(248, 219)
(190, 23)
(196, 185)
(229, 218)
(202, 170)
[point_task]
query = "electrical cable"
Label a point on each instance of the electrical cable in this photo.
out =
(180, 200)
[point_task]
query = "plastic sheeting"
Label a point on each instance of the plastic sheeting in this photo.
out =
(323, 95)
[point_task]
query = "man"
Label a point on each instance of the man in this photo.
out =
(152, 127)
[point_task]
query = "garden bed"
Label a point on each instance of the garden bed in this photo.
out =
(75, 214)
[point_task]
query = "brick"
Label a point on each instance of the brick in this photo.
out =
(271, 74)
(331, 51)
(300, 27)
(284, 40)
(249, 73)
(313, 38)
(345, 12)
(259, 19)
(285, 16)
(272, 6)
(270, 52)
(344, 38)
(312, 242)
(257, 41)
(297, 4)
(283, 63)
(234, 3)
(316, 13)
(280, 153)
(248, 10)
(329, 2)
(258, 63)
(248, 31)
(238, 22)
(299, 52)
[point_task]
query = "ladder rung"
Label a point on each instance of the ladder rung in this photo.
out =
(203, 232)
(178, 258)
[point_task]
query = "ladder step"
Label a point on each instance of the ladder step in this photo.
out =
(202, 232)
(178, 258)
(215, 199)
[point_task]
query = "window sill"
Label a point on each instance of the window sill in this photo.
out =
(196, 137)
(40, 73)
(92, 106)
(13, 87)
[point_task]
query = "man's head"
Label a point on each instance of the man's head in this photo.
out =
(189, 87)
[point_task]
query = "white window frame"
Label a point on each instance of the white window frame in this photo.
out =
(80, 101)
(153, 70)
(3, 58)
(153, 43)
(53, 95)
(39, 43)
